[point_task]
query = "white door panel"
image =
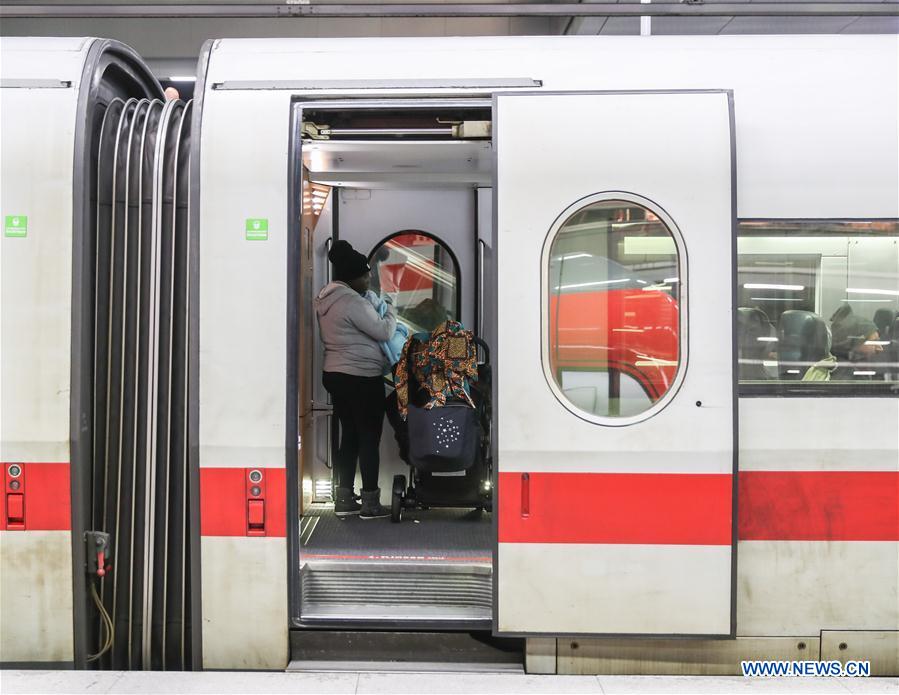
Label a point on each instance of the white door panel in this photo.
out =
(616, 585)
(667, 471)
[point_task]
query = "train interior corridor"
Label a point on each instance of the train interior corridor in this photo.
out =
(410, 188)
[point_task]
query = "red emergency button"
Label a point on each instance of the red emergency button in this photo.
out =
(255, 517)
(15, 511)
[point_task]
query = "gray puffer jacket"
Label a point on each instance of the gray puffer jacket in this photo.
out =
(351, 331)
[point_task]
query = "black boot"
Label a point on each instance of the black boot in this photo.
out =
(346, 504)
(371, 505)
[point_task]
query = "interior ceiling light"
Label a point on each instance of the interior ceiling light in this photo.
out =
(572, 256)
(315, 195)
(865, 290)
(763, 286)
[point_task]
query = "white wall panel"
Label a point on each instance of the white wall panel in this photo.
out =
(243, 284)
(819, 434)
(244, 603)
(801, 587)
(243, 323)
(46, 57)
(576, 585)
(36, 596)
(37, 127)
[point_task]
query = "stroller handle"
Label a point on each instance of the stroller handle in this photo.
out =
(481, 343)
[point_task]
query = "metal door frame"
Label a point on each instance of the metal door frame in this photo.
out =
(294, 230)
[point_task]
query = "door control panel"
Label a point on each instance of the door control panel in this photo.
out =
(14, 490)
(255, 484)
(97, 553)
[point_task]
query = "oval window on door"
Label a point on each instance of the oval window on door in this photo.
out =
(613, 292)
(421, 275)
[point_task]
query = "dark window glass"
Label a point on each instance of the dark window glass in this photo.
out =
(818, 307)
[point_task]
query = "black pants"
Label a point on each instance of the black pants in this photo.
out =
(359, 407)
(400, 426)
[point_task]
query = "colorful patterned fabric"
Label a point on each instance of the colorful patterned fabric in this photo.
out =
(443, 364)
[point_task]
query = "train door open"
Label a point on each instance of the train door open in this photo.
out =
(404, 185)
(615, 389)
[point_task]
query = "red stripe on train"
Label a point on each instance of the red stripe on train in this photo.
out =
(46, 497)
(223, 502)
(620, 508)
(819, 506)
(616, 508)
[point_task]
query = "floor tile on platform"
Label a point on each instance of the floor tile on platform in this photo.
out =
(211, 682)
(39, 682)
(486, 683)
(712, 685)
(874, 686)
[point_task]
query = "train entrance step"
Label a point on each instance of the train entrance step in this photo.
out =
(327, 650)
(397, 592)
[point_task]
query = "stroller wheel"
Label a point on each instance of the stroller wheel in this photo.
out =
(396, 499)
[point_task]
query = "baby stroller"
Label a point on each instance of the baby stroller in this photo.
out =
(447, 446)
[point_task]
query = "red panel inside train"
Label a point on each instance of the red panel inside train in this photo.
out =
(632, 330)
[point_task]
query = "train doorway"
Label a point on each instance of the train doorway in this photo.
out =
(608, 379)
(407, 184)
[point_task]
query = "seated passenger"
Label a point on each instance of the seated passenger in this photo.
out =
(883, 319)
(854, 341)
(753, 328)
(803, 340)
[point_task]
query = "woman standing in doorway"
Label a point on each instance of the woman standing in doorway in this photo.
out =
(352, 330)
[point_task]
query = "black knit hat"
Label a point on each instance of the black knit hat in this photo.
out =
(348, 263)
(850, 331)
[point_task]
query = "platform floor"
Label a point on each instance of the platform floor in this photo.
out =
(431, 683)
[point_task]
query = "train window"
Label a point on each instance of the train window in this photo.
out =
(614, 292)
(422, 276)
(818, 307)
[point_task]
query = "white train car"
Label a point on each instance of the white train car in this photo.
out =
(676, 248)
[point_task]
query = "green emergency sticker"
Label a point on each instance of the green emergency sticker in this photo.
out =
(257, 229)
(15, 225)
